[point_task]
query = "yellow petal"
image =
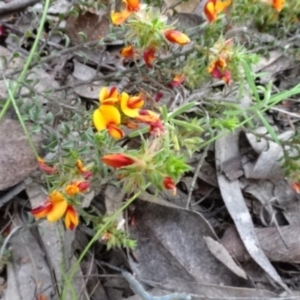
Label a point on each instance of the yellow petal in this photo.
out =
(99, 120)
(124, 106)
(118, 18)
(221, 5)
(58, 210)
(56, 196)
(103, 94)
(135, 102)
(111, 114)
(210, 12)
(132, 5)
(71, 218)
(278, 4)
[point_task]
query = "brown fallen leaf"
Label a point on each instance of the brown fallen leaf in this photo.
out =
(17, 161)
(221, 253)
(92, 25)
(270, 242)
(168, 250)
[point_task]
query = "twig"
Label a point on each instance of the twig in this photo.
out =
(139, 290)
(14, 191)
(196, 176)
(15, 6)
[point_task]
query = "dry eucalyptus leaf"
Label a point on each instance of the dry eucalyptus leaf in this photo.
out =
(27, 271)
(82, 71)
(220, 252)
(171, 245)
(17, 161)
(288, 199)
(226, 148)
(275, 64)
(270, 241)
(269, 163)
(114, 197)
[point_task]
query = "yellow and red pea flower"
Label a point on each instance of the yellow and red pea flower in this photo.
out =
(278, 4)
(224, 75)
(118, 160)
(227, 77)
(156, 128)
(118, 18)
(177, 80)
(127, 52)
(217, 70)
(45, 167)
(169, 184)
(71, 218)
(54, 208)
(83, 170)
(177, 37)
(149, 56)
(147, 116)
(151, 118)
(214, 7)
(130, 105)
(109, 96)
(108, 117)
(132, 5)
(77, 187)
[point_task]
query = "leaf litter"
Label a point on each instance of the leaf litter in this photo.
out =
(178, 250)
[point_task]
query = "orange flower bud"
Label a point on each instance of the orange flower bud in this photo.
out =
(169, 184)
(82, 185)
(76, 187)
(117, 160)
(72, 189)
(127, 52)
(44, 167)
(83, 170)
(177, 37)
(132, 5)
(296, 187)
(278, 4)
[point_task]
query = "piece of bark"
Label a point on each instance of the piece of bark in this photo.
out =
(270, 242)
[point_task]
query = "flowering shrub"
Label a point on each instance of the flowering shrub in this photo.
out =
(171, 60)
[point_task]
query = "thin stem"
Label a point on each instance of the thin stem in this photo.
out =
(12, 99)
(28, 61)
(111, 219)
